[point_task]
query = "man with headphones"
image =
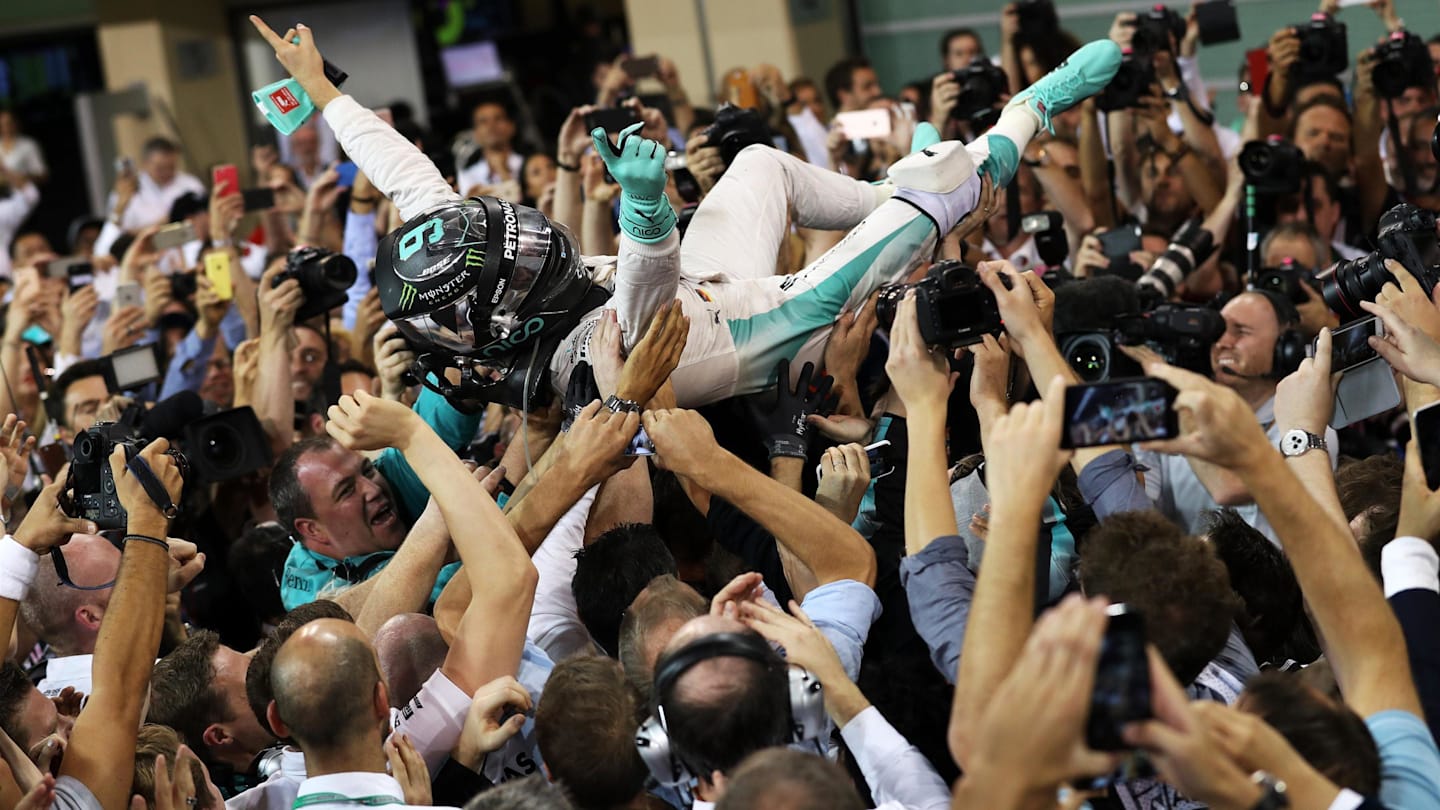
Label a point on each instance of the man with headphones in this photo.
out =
(1261, 346)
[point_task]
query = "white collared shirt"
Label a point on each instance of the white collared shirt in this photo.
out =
(277, 792)
(353, 785)
(151, 203)
(72, 670)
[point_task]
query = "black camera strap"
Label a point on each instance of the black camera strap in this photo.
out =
(140, 468)
(1407, 166)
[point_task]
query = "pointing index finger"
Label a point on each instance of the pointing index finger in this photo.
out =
(265, 31)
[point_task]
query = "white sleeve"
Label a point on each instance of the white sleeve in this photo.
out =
(898, 774)
(433, 719)
(647, 276)
(555, 625)
(392, 164)
(1408, 563)
(17, 206)
(1189, 67)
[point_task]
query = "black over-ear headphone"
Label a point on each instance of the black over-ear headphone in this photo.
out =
(1290, 345)
(806, 701)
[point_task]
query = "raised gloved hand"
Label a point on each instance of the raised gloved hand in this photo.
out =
(782, 420)
(638, 165)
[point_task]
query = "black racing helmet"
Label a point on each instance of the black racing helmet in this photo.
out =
(481, 281)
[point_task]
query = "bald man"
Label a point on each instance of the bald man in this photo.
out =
(68, 619)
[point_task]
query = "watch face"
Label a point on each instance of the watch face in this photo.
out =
(1293, 443)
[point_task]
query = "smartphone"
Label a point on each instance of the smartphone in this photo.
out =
(640, 445)
(80, 275)
(1119, 243)
(133, 368)
(217, 269)
(225, 175)
(865, 124)
(65, 266)
(129, 295)
(1137, 409)
(1122, 681)
(347, 171)
(879, 465)
(1350, 344)
(1259, 61)
(611, 119)
(1366, 390)
(258, 199)
(638, 67)
(173, 236)
(1427, 436)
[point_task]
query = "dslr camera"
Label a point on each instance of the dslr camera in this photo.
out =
(981, 86)
(1287, 281)
(1402, 62)
(324, 277)
(1155, 28)
(1272, 166)
(953, 306)
(93, 484)
(1190, 247)
(1324, 49)
(736, 128)
(1131, 83)
(1407, 235)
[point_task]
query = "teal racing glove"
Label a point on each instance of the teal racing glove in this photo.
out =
(638, 165)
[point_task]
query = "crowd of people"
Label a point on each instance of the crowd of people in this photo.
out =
(580, 474)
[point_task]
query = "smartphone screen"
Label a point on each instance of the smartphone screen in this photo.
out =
(641, 66)
(81, 275)
(1350, 344)
(865, 124)
(611, 119)
(258, 199)
(129, 295)
(1427, 435)
(1119, 243)
(1122, 681)
(217, 269)
(225, 175)
(1119, 412)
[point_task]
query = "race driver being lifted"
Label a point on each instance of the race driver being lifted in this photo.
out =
(483, 282)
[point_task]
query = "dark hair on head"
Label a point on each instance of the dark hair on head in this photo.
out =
(1263, 579)
(665, 600)
(1174, 580)
(153, 740)
(1326, 733)
(1286, 315)
(257, 562)
(290, 500)
(75, 373)
(744, 708)
(257, 677)
(801, 82)
(1370, 488)
(14, 689)
(1332, 82)
(1324, 100)
(159, 143)
(534, 792)
(611, 571)
(794, 780)
(956, 33)
(183, 694)
(841, 78)
(585, 726)
(1049, 50)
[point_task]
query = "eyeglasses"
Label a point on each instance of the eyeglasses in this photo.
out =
(62, 571)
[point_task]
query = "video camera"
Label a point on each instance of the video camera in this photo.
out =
(953, 306)
(1287, 281)
(981, 84)
(324, 277)
(1181, 333)
(736, 128)
(1407, 235)
(1401, 62)
(1131, 83)
(1324, 49)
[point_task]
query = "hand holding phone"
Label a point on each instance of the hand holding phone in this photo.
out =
(217, 270)
(1122, 693)
(173, 236)
(225, 180)
(1125, 411)
(1427, 438)
(864, 124)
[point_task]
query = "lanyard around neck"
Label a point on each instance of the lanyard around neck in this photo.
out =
(340, 798)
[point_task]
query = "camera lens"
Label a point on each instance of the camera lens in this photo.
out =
(335, 272)
(887, 302)
(221, 446)
(1089, 356)
(1352, 282)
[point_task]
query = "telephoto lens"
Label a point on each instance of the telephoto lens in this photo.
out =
(1189, 248)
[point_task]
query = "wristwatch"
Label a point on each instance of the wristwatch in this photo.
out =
(619, 405)
(1298, 442)
(1275, 796)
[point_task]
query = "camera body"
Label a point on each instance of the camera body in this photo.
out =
(1181, 333)
(324, 276)
(1407, 235)
(1401, 62)
(1155, 28)
(954, 308)
(1287, 281)
(93, 484)
(736, 128)
(1272, 166)
(1131, 83)
(1037, 18)
(981, 86)
(1324, 48)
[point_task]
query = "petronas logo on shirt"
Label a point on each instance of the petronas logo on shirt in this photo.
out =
(407, 296)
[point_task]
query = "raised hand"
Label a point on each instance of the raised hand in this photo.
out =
(364, 422)
(124, 329)
(142, 511)
(597, 440)
(804, 644)
(1022, 451)
(46, 525)
(918, 373)
(300, 59)
(684, 442)
(1306, 398)
(783, 418)
(15, 449)
(605, 352)
(393, 357)
(742, 589)
(408, 768)
(845, 477)
(656, 356)
(486, 727)
(278, 305)
(638, 165)
(1406, 347)
(1216, 425)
